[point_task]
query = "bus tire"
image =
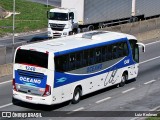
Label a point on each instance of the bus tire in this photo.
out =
(123, 80)
(15, 101)
(76, 95)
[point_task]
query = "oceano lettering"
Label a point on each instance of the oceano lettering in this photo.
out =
(30, 80)
(94, 68)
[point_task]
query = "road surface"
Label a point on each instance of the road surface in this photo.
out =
(140, 95)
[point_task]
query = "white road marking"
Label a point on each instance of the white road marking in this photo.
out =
(152, 43)
(73, 111)
(6, 105)
(135, 118)
(151, 81)
(155, 109)
(102, 100)
(149, 60)
(128, 90)
(5, 82)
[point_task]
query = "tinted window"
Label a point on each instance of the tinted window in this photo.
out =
(58, 16)
(135, 50)
(91, 56)
(32, 58)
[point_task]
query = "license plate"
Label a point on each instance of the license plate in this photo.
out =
(29, 98)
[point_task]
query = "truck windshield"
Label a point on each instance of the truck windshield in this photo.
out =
(35, 58)
(58, 16)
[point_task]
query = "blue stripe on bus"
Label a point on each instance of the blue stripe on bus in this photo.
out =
(90, 46)
(61, 79)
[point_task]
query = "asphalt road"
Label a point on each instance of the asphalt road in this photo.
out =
(140, 95)
(20, 39)
(6, 43)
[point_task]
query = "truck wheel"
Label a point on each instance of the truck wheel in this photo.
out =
(90, 28)
(74, 31)
(123, 80)
(76, 95)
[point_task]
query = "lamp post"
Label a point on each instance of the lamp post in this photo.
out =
(13, 21)
(133, 8)
(47, 3)
(13, 39)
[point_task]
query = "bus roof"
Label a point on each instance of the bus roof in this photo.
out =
(79, 41)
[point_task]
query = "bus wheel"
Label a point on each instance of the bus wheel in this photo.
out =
(123, 80)
(76, 96)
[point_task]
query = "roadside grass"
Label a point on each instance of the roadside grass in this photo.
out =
(154, 118)
(33, 16)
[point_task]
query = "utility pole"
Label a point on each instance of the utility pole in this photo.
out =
(47, 3)
(133, 8)
(13, 21)
(13, 40)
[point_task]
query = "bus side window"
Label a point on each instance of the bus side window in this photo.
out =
(104, 54)
(115, 51)
(98, 55)
(85, 58)
(135, 50)
(78, 62)
(92, 59)
(61, 64)
(120, 49)
(123, 49)
(109, 52)
(72, 61)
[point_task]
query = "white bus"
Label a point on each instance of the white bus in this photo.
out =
(64, 69)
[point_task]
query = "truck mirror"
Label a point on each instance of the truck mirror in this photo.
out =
(71, 18)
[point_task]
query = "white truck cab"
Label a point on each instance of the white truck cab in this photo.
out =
(62, 22)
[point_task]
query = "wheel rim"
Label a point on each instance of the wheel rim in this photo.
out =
(77, 96)
(123, 79)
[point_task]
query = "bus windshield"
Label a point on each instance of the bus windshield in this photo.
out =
(34, 58)
(58, 16)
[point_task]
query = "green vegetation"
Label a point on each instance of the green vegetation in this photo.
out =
(32, 16)
(154, 118)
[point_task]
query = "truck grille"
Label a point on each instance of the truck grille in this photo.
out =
(57, 27)
(57, 35)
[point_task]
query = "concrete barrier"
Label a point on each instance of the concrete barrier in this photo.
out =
(2, 55)
(143, 30)
(6, 69)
